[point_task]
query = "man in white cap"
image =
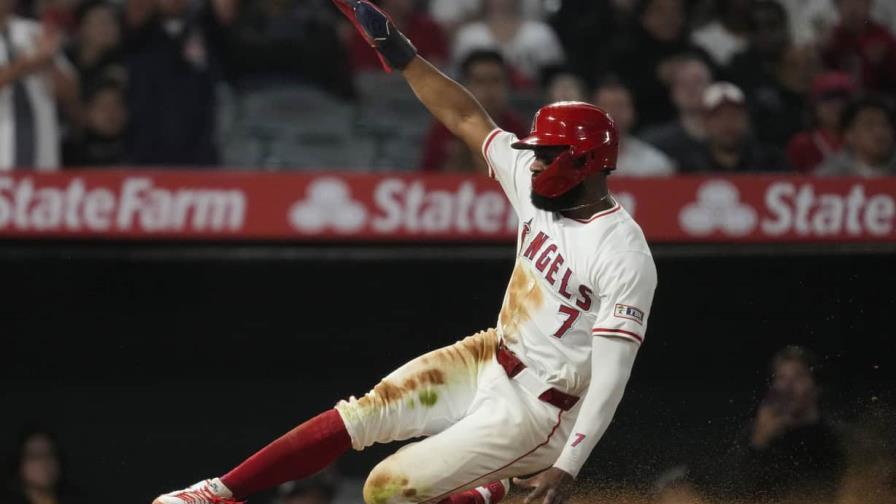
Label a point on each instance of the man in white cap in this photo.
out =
(729, 145)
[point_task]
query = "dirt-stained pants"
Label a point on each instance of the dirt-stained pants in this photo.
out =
(481, 425)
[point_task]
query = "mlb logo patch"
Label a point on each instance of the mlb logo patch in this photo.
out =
(629, 312)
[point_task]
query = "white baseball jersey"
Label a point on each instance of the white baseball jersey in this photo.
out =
(573, 279)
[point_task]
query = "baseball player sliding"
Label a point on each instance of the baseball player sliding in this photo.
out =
(532, 396)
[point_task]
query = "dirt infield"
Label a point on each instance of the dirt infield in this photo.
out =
(873, 485)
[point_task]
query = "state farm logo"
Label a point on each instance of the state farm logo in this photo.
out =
(398, 205)
(329, 205)
(804, 210)
(718, 208)
(135, 204)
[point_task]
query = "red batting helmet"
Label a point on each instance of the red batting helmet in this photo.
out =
(591, 136)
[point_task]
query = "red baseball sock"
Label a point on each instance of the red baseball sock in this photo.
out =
(494, 492)
(298, 454)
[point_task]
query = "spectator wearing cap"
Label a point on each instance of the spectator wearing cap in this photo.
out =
(527, 45)
(808, 149)
(636, 157)
(790, 449)
(685, 134)
(644, 59)
(863, 48)
(486, 75)
(729, 146)
(102, 141)
(34, 78)
(413, 21)
(726, 35)
(869, 141)
(774, 74)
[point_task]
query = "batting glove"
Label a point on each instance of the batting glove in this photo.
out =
(394, 49)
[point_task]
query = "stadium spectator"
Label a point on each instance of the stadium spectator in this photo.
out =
(528, 45)
(586, 29)
(102, 141)
(774, 74)
(684, 134)
(884, 12)
(636, 158)
(811, 21)
(485, 74)
(60, 13)
(416, 24)
(808, 149)
(34, 78)
(37, 474)
(273, 43)
(869, 141)
(726, 35)
(172, 70)
(729, 145)
(791, 449)
(863, 48)
(565, 86)
(451, 14)
(96, 49)
(643, 59)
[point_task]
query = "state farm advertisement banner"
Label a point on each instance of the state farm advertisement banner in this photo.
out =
(137, 205)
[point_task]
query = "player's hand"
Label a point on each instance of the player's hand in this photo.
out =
(375, 25)
(552, 486)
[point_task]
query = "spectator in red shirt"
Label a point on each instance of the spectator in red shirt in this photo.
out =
(486, 75)
(863, 48)
(830, 93)
(428, 37)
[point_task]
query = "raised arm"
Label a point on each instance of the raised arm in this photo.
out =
(448, 101)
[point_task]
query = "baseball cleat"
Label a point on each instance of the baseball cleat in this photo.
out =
(491, 493)
(494, 492)
(210, 491)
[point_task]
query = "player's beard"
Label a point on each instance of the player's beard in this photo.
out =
(571, 198)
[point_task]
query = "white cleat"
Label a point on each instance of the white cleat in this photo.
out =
(210, 491)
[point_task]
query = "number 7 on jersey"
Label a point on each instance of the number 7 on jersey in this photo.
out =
(571, 315)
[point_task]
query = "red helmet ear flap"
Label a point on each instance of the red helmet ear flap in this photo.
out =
(563, 174)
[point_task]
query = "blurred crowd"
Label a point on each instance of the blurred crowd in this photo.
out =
(695, 86)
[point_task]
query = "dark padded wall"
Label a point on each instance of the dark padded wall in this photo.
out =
(160, 372)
